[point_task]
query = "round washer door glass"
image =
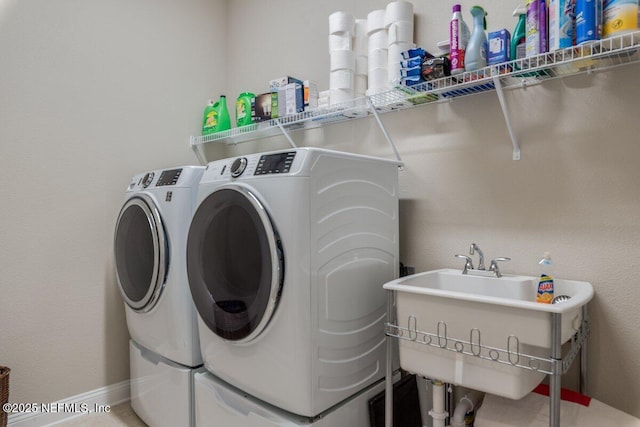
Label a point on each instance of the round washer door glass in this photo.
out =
(234, 263)
(141, 253)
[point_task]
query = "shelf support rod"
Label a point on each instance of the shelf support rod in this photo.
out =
(198, 152)
(505, 113)
(285, 133)
(383, 129)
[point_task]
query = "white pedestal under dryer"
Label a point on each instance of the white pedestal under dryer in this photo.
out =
(286, 257)
(149, 245)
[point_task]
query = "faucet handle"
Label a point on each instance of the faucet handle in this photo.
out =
(468, 265)
(494, 265)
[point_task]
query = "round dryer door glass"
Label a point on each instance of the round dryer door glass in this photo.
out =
(234, 263)
(141, 253)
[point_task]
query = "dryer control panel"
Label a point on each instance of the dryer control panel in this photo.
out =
(275, 163)
(169, 177)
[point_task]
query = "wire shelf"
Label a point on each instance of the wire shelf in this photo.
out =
(596, 56)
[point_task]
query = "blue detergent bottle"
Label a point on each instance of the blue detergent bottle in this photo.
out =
(476, 55)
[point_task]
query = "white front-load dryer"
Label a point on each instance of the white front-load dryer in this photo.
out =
(286, 257)
(149, 246)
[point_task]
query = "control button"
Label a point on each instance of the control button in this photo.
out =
(148, 178)
(238, 166)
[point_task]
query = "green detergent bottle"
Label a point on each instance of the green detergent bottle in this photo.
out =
(210, 119)
(224, 120)
(243, 109)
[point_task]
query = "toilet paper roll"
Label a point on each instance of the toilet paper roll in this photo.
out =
(376, 90)
(401, 32)
(378, 40)
(396, 49)
(361, 45)
(341, 79)
(362, 64)
(378, 78)
(341, 22)
(393, 73)
(360, 28)
(342, 59)
(378, 58)
(375, 21)
(398, 11)
(360, 84)
(338, 96)
(340, 41)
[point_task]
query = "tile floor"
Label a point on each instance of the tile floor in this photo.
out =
(120, 416)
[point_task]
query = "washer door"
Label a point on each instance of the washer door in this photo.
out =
(141, 253)
(234, 263)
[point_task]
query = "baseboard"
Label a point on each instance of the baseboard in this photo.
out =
(97, 400)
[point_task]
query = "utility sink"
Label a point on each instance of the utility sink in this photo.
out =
(485, 333)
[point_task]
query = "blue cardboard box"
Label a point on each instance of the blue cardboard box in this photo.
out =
(499, 47)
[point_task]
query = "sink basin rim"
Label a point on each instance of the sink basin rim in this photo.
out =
(580, 298)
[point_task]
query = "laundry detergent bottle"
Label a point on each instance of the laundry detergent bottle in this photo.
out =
(210, 119)
(224, 119)
(458, 39)
(476, 55)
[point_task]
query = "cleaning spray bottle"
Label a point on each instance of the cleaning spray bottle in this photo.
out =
(458, 39)
(476, 55)
(519, 35)
(545, 280)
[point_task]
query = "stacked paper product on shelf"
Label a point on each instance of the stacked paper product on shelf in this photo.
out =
(378, 52)
(533, 411)
(360, 47)
(342, 57)
(398, 22)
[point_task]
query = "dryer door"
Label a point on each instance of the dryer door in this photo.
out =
(141, 253)
(234, 263)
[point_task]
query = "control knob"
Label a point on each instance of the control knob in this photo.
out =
(238, 166)
(147, 179)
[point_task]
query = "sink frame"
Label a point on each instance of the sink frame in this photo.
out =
(555, 365)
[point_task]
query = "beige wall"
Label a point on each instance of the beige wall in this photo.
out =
(575, 192)
(91, 92)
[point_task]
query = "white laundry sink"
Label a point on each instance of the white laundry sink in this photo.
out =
(485, 333)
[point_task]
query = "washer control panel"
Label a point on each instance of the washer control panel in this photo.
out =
(169, 177)
(275, 163)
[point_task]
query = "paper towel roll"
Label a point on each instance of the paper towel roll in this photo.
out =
(378, 40)
(375, 21)
(341, 79)
(398, 11)
(338, 96)
(401, 32)
(341, 22)
(341, 41)
(342, 59)
(378, 58)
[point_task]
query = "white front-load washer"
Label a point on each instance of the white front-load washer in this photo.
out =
(286, 257)
(149, 246)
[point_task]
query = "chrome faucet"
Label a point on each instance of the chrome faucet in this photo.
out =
(475, 248)
(494, 265)
(494, 270)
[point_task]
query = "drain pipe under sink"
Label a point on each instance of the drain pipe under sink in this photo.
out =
(438, 413)
(471, 401)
